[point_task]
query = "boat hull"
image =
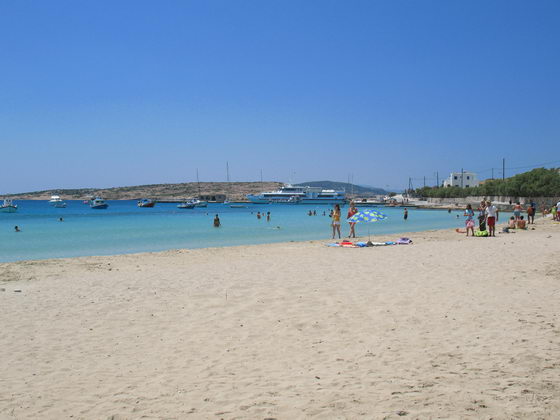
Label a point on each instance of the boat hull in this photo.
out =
(328, 201)
(8, 209)
(152, 204)
(100, 206)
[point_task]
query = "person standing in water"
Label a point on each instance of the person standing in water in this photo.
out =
(405, 215)
(217, 221)
(336, 221)
(268, 216)
(351, 212)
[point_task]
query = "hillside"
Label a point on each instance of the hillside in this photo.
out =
(233, 190)
(357, 189)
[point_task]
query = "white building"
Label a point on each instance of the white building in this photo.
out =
(461, 179)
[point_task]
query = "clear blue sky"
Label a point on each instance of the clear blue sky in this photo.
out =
(112, 93)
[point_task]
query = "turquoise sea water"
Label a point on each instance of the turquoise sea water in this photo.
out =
(126, 228)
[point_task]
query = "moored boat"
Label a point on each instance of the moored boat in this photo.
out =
(146, 202)
(98, 204)
(56, 201)
(289, 194)
(186, 205)
(8, 206)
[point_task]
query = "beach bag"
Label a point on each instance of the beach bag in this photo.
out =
(404, 241)
(481, 233)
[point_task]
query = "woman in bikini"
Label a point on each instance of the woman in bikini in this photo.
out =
(336, 221)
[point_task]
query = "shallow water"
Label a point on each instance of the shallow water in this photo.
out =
(126, 228)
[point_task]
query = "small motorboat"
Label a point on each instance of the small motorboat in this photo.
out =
(186, 205)
(238, 206)
(199, 203)
(146, 202)
(8, 206)
(98, 204)
(57, 202)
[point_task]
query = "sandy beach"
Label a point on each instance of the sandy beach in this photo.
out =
(449, 327)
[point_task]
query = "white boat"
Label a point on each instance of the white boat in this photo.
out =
(186, 205)
(200, 203)
(289, 194)
(192, 203)
(98, 204)
(8, 206)
(56, 201)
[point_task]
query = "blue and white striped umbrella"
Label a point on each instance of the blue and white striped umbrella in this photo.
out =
(367, 216)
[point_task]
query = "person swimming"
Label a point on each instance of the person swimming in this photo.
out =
(17, 229)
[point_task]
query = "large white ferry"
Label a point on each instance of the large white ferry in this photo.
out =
(299, 195)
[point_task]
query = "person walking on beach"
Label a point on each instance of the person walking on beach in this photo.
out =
(469, 222)
(351, 212)
(405, 215)
(491, 218)
(531, 215)
(217, 221)
(482, 216)
(336, 221)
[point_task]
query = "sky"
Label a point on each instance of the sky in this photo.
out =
(114, 93)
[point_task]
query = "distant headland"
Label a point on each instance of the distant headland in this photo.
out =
(234, 191)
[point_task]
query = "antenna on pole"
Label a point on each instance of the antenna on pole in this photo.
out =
(198, 182)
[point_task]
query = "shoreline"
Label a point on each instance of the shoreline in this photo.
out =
(361, 238)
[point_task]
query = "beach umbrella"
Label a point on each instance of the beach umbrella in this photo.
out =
(367, 216)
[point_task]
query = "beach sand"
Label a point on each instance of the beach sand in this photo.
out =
(449, 327)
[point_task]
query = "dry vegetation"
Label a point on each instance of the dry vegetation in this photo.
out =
(233, 190)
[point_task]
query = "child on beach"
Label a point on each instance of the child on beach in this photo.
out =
(469, 222)
(482, 216)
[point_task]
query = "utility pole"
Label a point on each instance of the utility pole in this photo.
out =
(503, 168)
(261, 178)
(437, 179)
(462, 177)
(424, 181)
(492, 173)
(227, 171)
